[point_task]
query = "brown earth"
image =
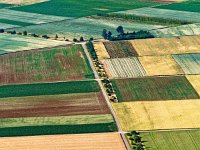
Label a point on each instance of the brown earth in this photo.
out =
(53, 105)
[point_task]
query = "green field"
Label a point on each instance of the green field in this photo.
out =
(154, 88)
(173, 140)
(184, 6)
(48, 88)
(72, 8)
(57, 125)
(86, 27)
(4, 5)
(55, 64)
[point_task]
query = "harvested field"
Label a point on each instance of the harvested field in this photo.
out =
(185, 140)
(164, 13)
(190, 63)
(49, 88)
(32, 18)
(195, 81)
(56, 64)
(167, 46)
(123, 67)
(120, 49)
(154, 115)
(191, 29)
(57, 125)
(101, 50)
(160, 65)
(53, 105)
(21, 43)
(101, 141)
(154, 88)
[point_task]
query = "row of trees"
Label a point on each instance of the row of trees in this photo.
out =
(152, 20)
(126, 36)
(136, 140)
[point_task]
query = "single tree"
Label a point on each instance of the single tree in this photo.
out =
(75, 40)
(104, 34)
(81, 39)
(109, 35)
(120, 30)
(56, 36)
(24, 32)
(1, 30)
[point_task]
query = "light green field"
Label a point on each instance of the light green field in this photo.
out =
(173, 140)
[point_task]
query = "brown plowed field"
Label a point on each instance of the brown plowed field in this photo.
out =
(102, 141)
(53, 105)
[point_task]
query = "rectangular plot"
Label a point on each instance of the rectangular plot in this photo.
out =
(53, 105)
(167, 46)
(154, 88)
(163, 140)
(190, 63)
(48, 65)
(102, 141)
(160, 65)
(120, 49)
(123, 67)
(155, 115)
(164, 13)
(56, 88)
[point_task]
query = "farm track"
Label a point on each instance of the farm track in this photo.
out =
(107, 100)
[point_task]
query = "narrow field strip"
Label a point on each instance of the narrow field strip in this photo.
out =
(165, 140)
(53, 105)
(101, 50)
(173, 114)
(167, 46)
(160, 65)
(29, 17)
(164, 13)
(56, 88)
(101, 141)
(154, 89)
(190, 63)
(195, 81)
(7, 26)
(191, 29)
(124, 67)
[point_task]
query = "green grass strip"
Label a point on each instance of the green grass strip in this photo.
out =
(48, 88)
(117, 92)
(15, 22)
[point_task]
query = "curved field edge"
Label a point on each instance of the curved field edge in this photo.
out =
(21, 90)
(100, 141)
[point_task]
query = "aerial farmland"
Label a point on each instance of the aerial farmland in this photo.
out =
(106, 75)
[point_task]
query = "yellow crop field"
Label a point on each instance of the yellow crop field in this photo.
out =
(167, 46)
(160, 65)
(152, 115)
(101, 50)
(195, 81)
(102, 141)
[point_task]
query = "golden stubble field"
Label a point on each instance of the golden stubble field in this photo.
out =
(101, 50)
(195, 81)
(100, 141)
(160, 65)
(167, 46)
(153, 115)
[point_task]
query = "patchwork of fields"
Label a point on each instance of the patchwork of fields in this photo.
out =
(55, 64)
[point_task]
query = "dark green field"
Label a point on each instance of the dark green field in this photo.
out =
(154, 88)
(4, 5)
(75, 8)
(48, 88)
(184, 6)
(15, 22)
